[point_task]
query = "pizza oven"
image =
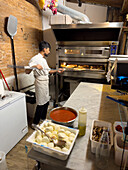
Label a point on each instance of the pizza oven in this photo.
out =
(83, 62)
(83, 50)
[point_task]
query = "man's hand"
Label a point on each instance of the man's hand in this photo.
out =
(38, 66)
(28, 71)
(60, 70)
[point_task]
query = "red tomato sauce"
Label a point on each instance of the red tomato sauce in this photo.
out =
(62, 115)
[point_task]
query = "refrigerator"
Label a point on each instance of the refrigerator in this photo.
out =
(13, 119)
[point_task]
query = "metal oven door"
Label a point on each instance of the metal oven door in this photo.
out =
(84, 51)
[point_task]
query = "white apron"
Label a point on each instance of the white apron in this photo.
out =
(41, 79)
(42, 90)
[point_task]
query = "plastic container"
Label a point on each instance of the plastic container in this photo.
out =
(100, 123)
(119, 123)
(103, 151)
(118, 145)
(82, 121)
(51, 151)
(3, 165)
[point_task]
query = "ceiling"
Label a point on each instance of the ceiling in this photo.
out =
(122, 4)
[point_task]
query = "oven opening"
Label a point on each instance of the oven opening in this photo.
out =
(93, 51)
(72, 66)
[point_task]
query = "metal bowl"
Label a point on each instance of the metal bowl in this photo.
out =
(67, 123)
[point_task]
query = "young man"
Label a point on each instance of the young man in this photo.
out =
(41, 74)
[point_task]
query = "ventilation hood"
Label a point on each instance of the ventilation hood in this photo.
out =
(107, 31)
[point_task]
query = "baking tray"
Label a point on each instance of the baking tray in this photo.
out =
(51, 151)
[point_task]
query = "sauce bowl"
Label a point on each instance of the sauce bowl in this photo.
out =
(63, 115)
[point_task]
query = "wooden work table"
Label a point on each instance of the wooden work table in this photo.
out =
(93, 97)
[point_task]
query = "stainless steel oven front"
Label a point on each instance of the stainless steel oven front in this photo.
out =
(84, 62)
(83, 50)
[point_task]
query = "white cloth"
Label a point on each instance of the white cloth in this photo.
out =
(41, 79)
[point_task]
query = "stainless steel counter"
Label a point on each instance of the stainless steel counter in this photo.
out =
(93, 97)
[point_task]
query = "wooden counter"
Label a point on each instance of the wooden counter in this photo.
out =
(93, 97)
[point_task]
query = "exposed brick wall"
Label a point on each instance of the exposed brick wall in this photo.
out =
(29, 33)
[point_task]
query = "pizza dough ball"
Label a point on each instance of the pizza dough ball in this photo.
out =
(57, 148)
(51, 145)
(72, 135)
(66, 139)
(54, 136)
(68, 144)
(44, 143)
(50, 128)
(45, 124)
(64, 149)
(38, 139)
(54, 132)
(70, 139)
(49, 133)
(57, 128)
(67, 132)
(51, 124)
(61, 131)
(45, 139)
(38, 133)
(61, 135)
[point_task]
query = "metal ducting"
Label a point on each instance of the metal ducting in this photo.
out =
(73, 13)
(64, 10)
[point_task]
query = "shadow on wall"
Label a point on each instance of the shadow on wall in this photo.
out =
(48, 36)
(32, 34)
(5, 25)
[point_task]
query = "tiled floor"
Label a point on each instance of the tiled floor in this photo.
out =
(17, 158)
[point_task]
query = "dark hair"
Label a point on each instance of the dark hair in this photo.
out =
(44, 44)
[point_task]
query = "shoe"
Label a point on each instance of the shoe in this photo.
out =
(32, 127)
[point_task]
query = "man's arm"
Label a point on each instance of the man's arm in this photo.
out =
(28, 71)
(38, 66)
(60, 70)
